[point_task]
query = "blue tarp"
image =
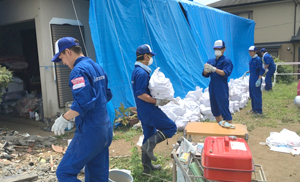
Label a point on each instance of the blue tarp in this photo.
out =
(183, 45)
(210, 24)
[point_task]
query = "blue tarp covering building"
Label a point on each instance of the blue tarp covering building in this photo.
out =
(181, 33)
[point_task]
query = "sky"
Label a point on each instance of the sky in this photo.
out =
(205, 2)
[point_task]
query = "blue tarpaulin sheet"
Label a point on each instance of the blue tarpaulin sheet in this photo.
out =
(183, 43)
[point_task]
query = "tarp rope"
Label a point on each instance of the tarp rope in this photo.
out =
(80, 28)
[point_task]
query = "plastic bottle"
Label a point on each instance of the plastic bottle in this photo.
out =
(30, 113)
(37, 117)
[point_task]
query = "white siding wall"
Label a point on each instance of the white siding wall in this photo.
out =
(274, 21)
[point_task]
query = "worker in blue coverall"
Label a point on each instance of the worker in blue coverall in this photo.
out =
(93, 134)
(219, 69)
(270, 66)
(156, 125)
(256, 71)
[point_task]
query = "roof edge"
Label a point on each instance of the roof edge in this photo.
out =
(245, 4)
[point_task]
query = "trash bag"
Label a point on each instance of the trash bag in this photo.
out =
(25, 104)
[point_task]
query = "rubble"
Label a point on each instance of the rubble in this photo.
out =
(29, 158)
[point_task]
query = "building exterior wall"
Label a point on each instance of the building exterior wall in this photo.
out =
(274, 24)
(274, 21)
(42, 12)
(286, 52)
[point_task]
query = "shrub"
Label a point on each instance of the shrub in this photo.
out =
(5, 78)
(286, 79)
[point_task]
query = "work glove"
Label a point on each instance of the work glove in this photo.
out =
(211, 68)
(206, 68)
(60, 125)
(161, 102)
(258, 82)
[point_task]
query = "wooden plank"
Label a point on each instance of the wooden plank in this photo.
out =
(214, 129)
(20, 178)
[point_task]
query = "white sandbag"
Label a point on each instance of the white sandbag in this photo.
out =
(169, 113)
(174, 108)
(205, 99)
(209, 117)
(237, 106)
(160, 87)
(191, 105)
(206, 111)
(181, 122)
(195, 95)
(231, 107)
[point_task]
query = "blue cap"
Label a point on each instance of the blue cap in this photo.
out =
(263, 50)
(144, 49)
(252, 48)
(219, 44)
(61, 45)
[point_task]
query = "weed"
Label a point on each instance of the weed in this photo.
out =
(134, 164)
(126, 133)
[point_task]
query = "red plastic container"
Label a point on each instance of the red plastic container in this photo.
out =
(226, 159)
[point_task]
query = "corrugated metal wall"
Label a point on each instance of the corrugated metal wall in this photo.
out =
(62, 71)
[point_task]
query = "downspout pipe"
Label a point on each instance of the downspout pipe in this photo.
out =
(295, 12)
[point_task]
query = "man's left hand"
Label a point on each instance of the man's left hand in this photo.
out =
(211, 68)
(60, 125)
(258, 82)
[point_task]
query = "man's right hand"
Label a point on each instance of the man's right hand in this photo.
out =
(161, 102)
(59, 126)
(206, 68)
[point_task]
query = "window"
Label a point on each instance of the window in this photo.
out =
(244, 14)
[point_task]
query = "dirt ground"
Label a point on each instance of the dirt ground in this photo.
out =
(278, 167)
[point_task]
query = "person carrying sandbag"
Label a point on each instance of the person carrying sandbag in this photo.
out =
(157, 127)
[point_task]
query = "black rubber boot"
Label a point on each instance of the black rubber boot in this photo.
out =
(150, 144)
(148, 166)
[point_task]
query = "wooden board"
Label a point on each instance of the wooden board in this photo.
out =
(214, 129)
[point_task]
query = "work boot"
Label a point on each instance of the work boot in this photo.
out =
(148, 166)
(150, 144)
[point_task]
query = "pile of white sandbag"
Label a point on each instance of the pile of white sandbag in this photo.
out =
(195, 106)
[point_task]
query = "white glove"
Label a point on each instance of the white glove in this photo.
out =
(60, 125)
(211, 68)
(206, 68)
(161, 102)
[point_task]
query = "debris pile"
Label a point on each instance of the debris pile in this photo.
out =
(25, 157)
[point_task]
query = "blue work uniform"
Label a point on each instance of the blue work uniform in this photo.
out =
(267, 58)
(151, 116)
(218, 87)
(93, 134)
(256, 69)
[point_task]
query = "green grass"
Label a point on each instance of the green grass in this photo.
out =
(278, 108)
